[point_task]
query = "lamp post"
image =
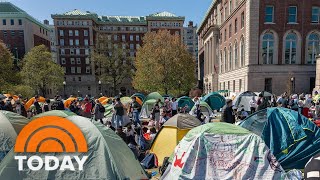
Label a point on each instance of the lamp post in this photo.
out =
(292, 84)
(78, 93)
(64, 88)
(100, 90)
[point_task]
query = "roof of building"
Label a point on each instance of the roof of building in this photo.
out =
(123, 19)
(163, 14)
(9, 10)
(77, 12)
(213, 3)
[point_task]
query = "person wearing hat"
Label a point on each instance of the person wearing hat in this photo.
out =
(227, 113)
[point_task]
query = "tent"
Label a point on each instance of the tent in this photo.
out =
(291, 137)
(222, 151)
(185, 100)
(171, 133)
(205, 109)
(147, 107)
(243, 99)
(31, 101)
(10, 126)
(139, 95)
(154, 96)
(108, 156)
(214, 100)
(67, 102)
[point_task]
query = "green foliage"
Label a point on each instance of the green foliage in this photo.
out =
(24, 90)
(163, 64)
(7, 75)
(113, 63)
(40, 72)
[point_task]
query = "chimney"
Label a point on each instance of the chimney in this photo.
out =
(46, 22)
(190, 24)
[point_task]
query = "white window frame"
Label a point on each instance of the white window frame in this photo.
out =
(296, 15)
(70, 32)
(78, 60)
(61, 32)
(85, 33)
(76, 32)
(63, 60)
(72, 61)
(272, 15)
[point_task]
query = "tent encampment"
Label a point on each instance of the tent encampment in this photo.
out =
(185, 100)
(243, 100)
(291, 137)
(10, 126)
(205, 109)
(222, 151)
(171, 133)
(148, 104)
(214, 100)
(108, 157)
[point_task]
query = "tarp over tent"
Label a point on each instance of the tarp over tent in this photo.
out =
(222, 151)
(182, 101)
(154, 96)
(214, 100)
(67, 102)
(108, 157)
(291, 137)
(171, 133)
(10, 126)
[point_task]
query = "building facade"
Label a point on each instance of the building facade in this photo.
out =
(190, 39)
(21, 32)
(259, 45)
(76, 33)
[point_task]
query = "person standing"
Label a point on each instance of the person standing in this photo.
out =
(174, 106)
(227, 113)
(37, 105)
(20, 109)
(8, 106)
(119, 112)
(262, 102)
(156, 114)
(46, 106)
(135, 109)
(59, 103)
(253, 105)
(98, 111)
(86, 108)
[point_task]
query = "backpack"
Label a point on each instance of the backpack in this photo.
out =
(150, 161)
(101, 109)
(164, 166)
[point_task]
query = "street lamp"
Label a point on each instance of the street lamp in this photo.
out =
(64, 89)
(292, 79)
(78, 93)
(100, 87)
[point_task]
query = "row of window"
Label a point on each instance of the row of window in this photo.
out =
(224, 87)
(124, 46)
(292, 14)
(77, 70)
(74, 42)
(166, 24)
(74, 32)
(235, 27)
(74, 23)
(13, 33)
(291, 48)
(115, 28)
(12, 22)
(74, 51)
(229, 58)
(228, 9)
(75, 61)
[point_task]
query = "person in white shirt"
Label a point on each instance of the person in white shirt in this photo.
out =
(174, 106)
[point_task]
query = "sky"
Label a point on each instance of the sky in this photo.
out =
(194, 10)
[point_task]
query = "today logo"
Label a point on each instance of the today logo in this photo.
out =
(50, 134)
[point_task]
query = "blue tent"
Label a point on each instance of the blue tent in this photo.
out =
(215, 100)
(182, 101)
(291, 137)
(139, 95)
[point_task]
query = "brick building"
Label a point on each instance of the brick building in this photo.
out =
(21, 32)
(259, 45)
(76, 33)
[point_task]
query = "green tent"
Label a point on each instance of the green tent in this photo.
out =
(154, 96)
(108, 157)
(185, 100)
(108, 112)
(147, 107)
(10, 126)
(205, 109)
(139, 95)
(215, 100)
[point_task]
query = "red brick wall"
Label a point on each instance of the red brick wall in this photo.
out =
(14, 43)
(304, 26)
(37, 40)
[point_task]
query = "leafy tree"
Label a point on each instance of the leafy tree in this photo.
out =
(112, 61)
(40, 72)
(163, 64)
(8, 76)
